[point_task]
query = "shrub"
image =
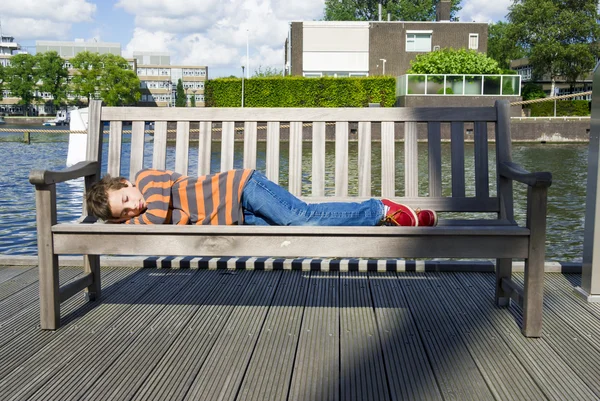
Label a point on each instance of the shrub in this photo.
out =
(301, 92)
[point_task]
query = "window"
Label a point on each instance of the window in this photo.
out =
(313, 74)
(418, 41)
(474, 41)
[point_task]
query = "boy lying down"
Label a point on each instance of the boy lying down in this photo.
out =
(234, 197)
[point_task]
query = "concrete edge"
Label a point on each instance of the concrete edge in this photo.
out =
(302, 264)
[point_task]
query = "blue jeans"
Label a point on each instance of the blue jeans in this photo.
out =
(266, 203)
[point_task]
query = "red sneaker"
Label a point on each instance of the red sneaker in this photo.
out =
(426, 217)
(399, 215)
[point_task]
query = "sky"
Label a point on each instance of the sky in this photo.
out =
(219, 34)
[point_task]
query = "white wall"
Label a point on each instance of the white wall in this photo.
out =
(335, 46)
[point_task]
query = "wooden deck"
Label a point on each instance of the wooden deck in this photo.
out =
(189, 334)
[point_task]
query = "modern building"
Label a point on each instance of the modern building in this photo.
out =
(8, 47)
(357, 48)
(561, 86)
(158, 79)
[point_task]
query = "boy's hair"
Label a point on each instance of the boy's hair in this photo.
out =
(97, 197)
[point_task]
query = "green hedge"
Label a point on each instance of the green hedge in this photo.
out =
(563, 108)
(301, 92)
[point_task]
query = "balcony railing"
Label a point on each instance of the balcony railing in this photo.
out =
(458, 85)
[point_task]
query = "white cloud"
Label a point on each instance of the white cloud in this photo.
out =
(48, 19)
(215, 32)
(484, 11)
(149, 41)
(63, 11)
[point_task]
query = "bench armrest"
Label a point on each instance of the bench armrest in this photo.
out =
(515, 172)
(45, 177)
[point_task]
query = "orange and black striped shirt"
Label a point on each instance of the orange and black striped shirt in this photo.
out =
(172, 198)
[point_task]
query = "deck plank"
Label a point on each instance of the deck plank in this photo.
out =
(223, 371)
(551, 373)
(454, 368)
(409, 372)
(181, 334)
(362, 368)
(317, 366)
(269, 372)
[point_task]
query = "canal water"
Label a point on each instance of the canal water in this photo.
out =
(566, 203)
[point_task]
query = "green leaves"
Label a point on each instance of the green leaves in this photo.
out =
(399, 10)
(107, 76)
(21, 78)
(52, 75)
(180, 100)
(451, 61)
(301, 92)
(560, 36)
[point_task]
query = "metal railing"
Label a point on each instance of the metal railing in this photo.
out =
(458, 84)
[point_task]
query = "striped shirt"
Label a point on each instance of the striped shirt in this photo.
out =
(172, 198)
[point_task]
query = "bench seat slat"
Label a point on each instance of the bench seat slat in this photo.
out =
(295, 152)
(159, 155)
(398, 243)
(318, 159)
(204, 146)
(341, 158)
(136, 160)
(424, 114)
(364, 159)
(114, 148)
(126, 229)
(250, 139)
(182, 147)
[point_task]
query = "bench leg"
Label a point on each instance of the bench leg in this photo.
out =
(45, 199)
(533, 292)
(503, 270)
(91, 264)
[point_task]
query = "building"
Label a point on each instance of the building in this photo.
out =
(561, 86)
(357, 48)
(158, 78)
(8, 47)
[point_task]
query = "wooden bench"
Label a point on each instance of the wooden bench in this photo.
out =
(377, 131)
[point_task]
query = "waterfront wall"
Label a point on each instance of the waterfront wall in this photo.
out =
(540, 130)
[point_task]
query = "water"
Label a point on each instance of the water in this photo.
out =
(566, 196)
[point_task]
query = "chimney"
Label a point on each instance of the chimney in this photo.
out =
(442, 10)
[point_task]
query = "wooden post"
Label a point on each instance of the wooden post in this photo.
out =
(26, 137)
(45, 199)
(590, 274)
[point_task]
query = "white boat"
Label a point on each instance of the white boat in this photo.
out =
(63, 117)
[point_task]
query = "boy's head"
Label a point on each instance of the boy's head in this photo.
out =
(115, 200)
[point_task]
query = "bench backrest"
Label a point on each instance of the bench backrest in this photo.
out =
(322, 153)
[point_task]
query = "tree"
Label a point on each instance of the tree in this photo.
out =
(267, 72)
(502, 47)
(2, 75)
(52, 76)
(118, 84)
(21, 77)
(532, 91)
(193, 100)
(559, 36)
(451, 61)
(180, 100)
(86, 79)
(400, 10)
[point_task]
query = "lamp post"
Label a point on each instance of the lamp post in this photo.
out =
(247, 53)
(383, 70)
(243, 86)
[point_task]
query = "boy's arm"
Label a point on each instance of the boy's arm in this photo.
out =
(149, 217)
